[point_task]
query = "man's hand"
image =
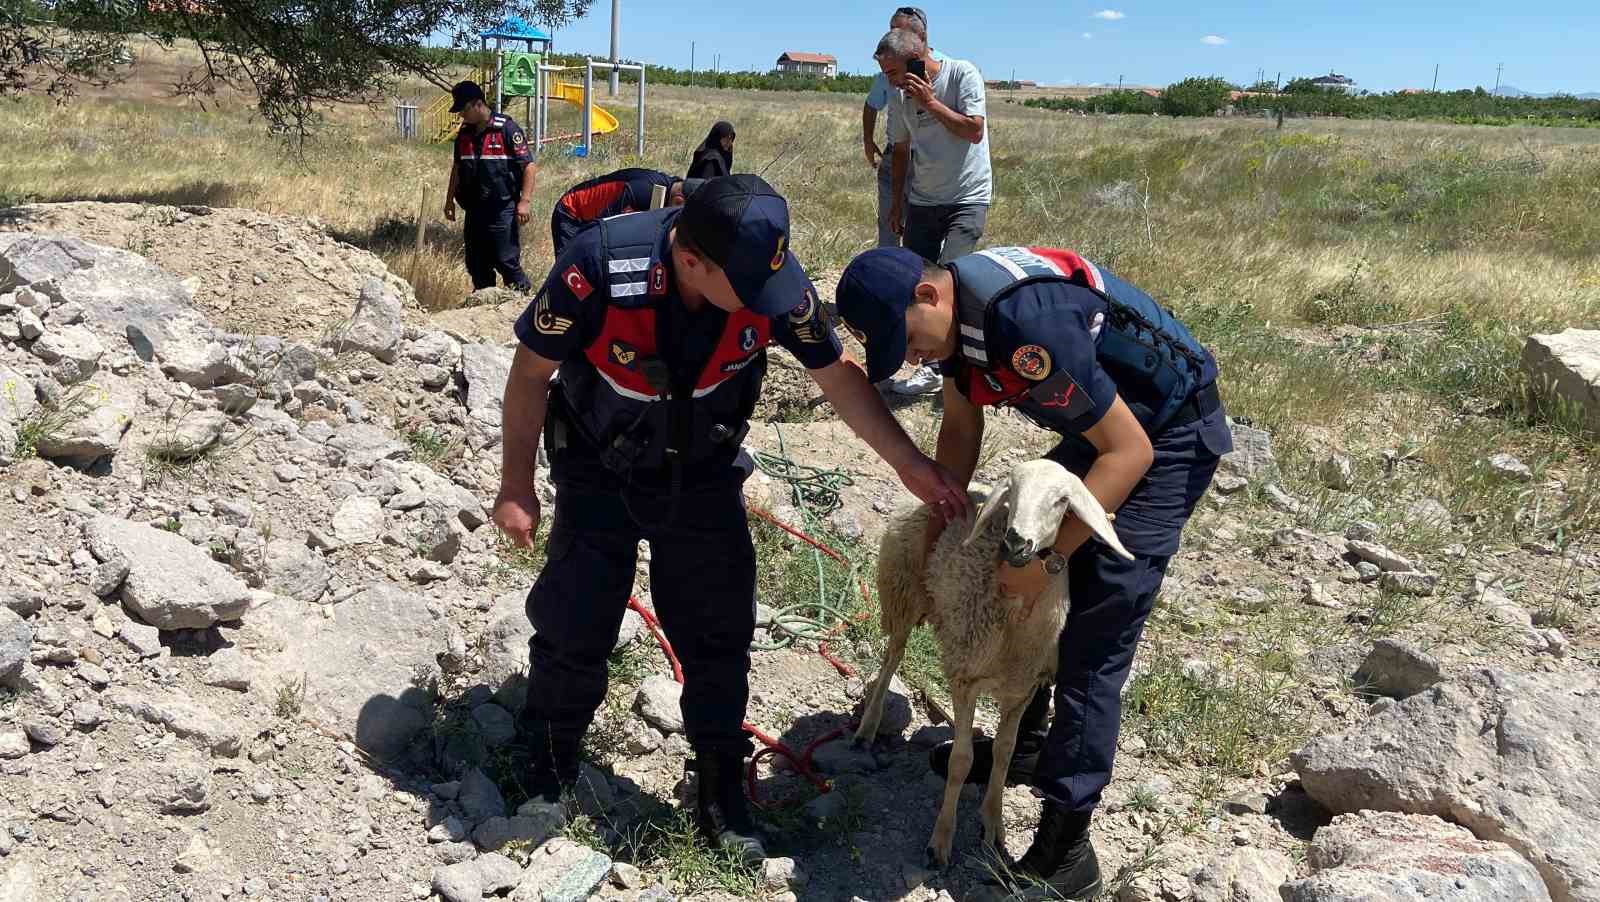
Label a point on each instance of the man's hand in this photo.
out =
(450, 209)
(897, 217)
(517, 515)
(1026, 583)
(523, 212)
(874, 154)
(936, 487)
(917, 89)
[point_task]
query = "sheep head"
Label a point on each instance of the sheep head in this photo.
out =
(1037, 496)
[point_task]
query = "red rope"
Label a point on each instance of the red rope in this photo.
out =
(775, 748)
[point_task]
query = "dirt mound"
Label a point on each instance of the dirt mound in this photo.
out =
(251, 272)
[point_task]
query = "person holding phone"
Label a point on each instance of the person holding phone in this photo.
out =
(938, 114)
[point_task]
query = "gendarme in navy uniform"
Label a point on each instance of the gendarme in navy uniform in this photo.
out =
(492, 179)
(640, 361)
(612, 194)
(1133, 396)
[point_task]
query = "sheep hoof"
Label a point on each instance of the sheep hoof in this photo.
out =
(933, 861)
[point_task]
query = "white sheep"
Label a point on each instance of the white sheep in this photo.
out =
(1000, 646)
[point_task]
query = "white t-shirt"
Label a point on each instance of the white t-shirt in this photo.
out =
(949, 169)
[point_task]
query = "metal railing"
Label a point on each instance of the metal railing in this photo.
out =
(407, 122)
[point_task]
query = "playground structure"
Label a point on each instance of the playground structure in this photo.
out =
(524, 73)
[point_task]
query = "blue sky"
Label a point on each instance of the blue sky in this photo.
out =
(1545, 46)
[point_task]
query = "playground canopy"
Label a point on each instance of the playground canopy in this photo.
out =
(514, 28)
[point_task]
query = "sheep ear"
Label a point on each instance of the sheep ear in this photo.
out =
(1087, 508)
(996, 500)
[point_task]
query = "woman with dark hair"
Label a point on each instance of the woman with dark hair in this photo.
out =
(714, 156)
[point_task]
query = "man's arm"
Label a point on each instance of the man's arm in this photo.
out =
(863, 410)
(516, 509)
(960, 433)
(966, 123)
(869, 124)
(450, 191)
(525, 202)
(1125, 456)
(898, 170)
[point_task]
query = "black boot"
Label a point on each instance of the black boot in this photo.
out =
(720, 809)
(1061, 864)
(1024, 758)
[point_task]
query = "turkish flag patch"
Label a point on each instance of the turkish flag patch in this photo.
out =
(1060, 392)
(576, 283)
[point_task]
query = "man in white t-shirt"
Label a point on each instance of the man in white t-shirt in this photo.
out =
(940, 116)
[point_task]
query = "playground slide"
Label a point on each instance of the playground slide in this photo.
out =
(604, 122)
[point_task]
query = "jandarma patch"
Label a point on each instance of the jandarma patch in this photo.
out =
(1031, 362)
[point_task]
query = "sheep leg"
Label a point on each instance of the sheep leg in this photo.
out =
(872, 710)
(965, 699)
(1005, 743)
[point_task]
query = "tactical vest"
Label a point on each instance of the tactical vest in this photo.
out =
(621, 396)
(1154, 360)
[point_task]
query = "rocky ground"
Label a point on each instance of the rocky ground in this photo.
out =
(258, 639)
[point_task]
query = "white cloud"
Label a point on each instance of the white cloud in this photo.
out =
(1088, 35)
(1110, 15)
(1214, 40)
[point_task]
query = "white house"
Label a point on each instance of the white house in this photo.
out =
(1333, 81)
(822, 64)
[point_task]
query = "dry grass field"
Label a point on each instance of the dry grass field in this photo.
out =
(1367, 287)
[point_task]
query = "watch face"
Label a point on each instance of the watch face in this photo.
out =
(1055, 563)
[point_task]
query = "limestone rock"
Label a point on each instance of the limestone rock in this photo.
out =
(94, 433)
(459, 882)
(1565, 367)
(1251, 457)
(291, 568)
(171, 584)
(376, 326)
(16, 638)
(1397, 669)
(1411, 858)
(227, 669)
(660, 703)
(1379, 555)
(1507, 466)
(505, 663)
(1509, 756)
(484, 369)
(479, 797)
(1242, 875)
(361, 667)
(18, 405)
(73, 352)
(180, 785)
(562, 871)
(358, 521)
(180, 714)
(361, 445)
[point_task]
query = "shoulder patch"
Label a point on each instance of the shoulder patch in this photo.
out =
(1061, 392)
(576, 283)
(546, 321)
(1031, 362)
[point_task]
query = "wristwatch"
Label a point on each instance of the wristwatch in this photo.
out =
(1054, 561)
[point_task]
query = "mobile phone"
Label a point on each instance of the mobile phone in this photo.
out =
(918, 68)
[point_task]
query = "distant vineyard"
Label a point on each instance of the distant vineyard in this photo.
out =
(1205, 97)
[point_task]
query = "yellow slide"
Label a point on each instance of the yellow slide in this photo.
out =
(604, 122)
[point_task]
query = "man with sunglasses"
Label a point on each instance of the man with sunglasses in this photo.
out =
(1133, 396)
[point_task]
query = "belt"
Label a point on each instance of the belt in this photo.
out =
(1203, 403)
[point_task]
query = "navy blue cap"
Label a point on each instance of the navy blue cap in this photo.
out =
(464, 93)
(741, 224)
(874, 293)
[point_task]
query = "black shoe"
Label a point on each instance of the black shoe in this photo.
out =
(1061, 863)
(721, 812)
(1024, 759)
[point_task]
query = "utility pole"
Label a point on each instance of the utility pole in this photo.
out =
(1119, 82)
(1497, 70)
(691, 63)
(1436, 78)
(616, 23)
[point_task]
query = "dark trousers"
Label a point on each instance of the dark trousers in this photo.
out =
(492, 242)
(1110, 600)
(563, 228)
(941, 234)
(702, 580)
